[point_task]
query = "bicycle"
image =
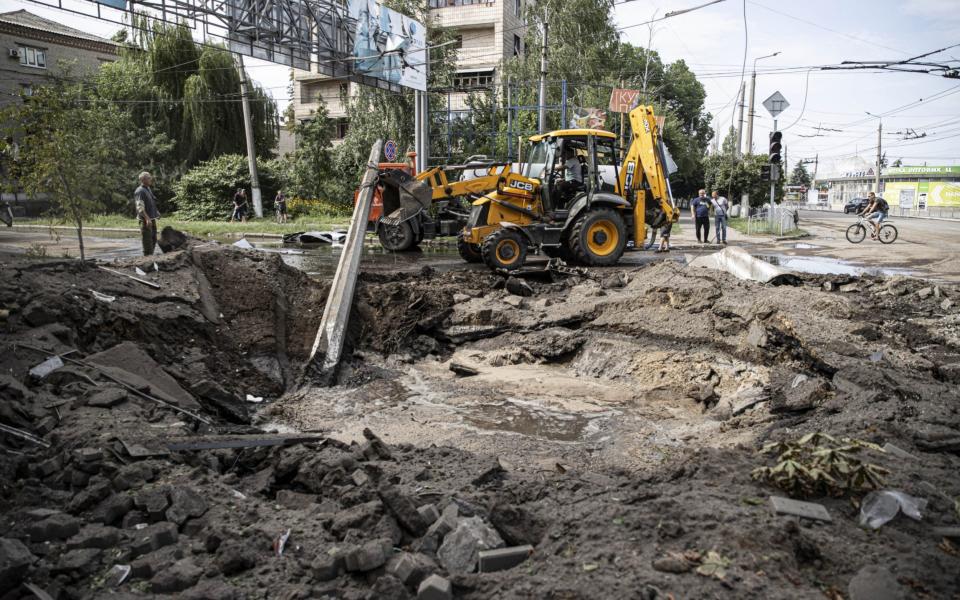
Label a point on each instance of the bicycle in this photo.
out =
(857, 232)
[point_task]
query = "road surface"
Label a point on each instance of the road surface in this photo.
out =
(925, 248)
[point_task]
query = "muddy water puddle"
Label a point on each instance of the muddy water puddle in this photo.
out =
(821, 265)
(515, 415)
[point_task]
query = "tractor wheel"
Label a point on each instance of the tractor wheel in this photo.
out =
(396, 238)
(504, 249)
(469, 252)
(598, 237)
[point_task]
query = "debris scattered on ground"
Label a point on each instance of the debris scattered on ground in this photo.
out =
(606, 451)
(880, 507)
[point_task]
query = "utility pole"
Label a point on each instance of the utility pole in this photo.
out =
(753, 91)
(750, 111)
(646, 55)
(786, 165)
(879, 154)
(251, 149)
(542, 120)
(740, 121)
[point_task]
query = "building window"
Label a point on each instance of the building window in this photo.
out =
(342, 126)
(467, 81)
(518, 7)
(33, 57)
(517, 46)
(446, 3)
(344, 90)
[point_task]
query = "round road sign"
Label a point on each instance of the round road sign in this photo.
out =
(390, 150)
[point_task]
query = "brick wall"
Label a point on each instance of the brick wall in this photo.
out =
(84, 56)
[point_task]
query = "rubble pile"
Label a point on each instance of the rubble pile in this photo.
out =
(137, 459)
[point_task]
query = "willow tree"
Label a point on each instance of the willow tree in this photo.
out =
(190, 92)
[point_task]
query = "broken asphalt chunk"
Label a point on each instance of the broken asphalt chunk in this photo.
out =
(460, 550)
(15, 558)
(463, 370)
(403, 509)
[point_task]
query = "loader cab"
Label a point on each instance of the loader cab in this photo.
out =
(594, 150)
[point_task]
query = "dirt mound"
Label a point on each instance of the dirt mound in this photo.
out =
(612, 424)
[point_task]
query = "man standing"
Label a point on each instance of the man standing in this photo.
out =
(700, 211)
(147, 213)
(239, 206)
(720, 206)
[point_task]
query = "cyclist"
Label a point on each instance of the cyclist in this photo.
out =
(876, 212)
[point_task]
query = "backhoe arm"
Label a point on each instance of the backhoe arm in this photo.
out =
(444, 189)
(644, 173)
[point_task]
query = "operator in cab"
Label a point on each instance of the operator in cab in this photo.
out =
(572, 170)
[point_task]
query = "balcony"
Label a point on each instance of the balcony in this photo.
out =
(464, 13)
(473, 58)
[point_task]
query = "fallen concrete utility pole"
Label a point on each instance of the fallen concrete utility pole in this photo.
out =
(336, 313)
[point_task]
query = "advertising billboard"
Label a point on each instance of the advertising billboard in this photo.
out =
(388, 45)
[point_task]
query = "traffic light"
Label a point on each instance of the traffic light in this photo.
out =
(764, 172)
(775, 146)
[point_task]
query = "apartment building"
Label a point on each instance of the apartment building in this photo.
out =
(487, 33)
(34, 50)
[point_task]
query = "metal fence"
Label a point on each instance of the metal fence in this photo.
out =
(783, 219)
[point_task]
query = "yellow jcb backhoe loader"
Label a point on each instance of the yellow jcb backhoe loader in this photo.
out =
(587, 219)
(433, 202)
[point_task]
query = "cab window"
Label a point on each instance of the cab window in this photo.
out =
(607, 165)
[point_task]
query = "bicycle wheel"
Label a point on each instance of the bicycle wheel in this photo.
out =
(888, 234)
(856, 233)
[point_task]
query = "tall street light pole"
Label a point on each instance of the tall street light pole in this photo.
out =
(753, 89)
(876, 183)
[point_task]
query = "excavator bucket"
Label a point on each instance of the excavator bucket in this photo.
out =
(403, 197)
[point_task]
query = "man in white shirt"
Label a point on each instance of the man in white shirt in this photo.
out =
(720, 210)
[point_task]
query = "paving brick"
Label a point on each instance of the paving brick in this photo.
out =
(502, 559)
(368, 557)
(429, 513)
(807, 510)
(435, 588)
(55, 527)
(411, 568)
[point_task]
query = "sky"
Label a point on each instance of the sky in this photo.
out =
(810, 34)
(826, 117)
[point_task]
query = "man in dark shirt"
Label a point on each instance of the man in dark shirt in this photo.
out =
(700, 211)
(147, 213)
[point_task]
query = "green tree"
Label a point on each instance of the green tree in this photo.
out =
(311, 167)
(734, 177)
(71, 149)
(188, 92)
(800, 175)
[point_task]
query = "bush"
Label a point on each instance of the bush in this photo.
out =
(205, 193)
(315, 207)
